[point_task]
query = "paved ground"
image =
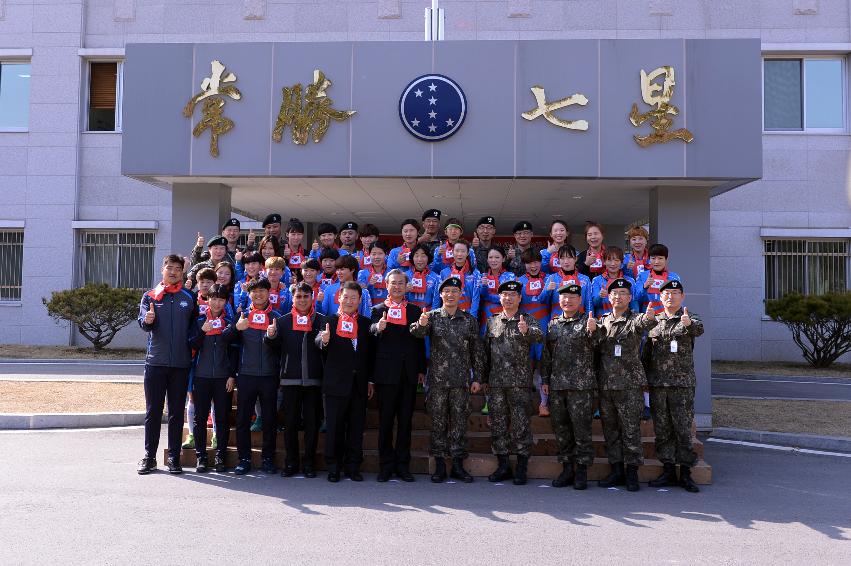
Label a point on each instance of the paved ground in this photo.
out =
(74, 496)
(70, 370)
(821, 388)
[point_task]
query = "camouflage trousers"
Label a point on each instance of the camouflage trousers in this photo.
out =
(449, 408)
(571, 414)
(673, 412)
(620, 411)
(510, 408)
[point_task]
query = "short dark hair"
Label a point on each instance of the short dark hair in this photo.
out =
(351, 285)
(499, 249)
(412, 221)
(252, 257)
(592, 224)
(328, 253)
(312, 263)
(296, 226)
(219, 291)
(567, 250)
(658, 249)
(380, 245)
(326, 228)
(369, 230)
(276, 245)
(347, 262)
(303, 287)
(423, 248)
(259, 283)
(207, 273)
(172, 258)
(613, 252)
(530, 255)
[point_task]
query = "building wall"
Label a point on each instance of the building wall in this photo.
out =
(53, 174)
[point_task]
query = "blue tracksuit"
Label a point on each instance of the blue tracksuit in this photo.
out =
(560, 279)
(651, 294)
(602, 305)
(331, 302)
(469, 294)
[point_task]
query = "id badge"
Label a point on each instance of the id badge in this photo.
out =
(674, 346)
(617, 350)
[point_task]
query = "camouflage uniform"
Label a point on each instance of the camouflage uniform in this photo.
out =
(622, 380)
(508, 372)
(672, 382)
(456, 354)
(567, 366)
(516, 265)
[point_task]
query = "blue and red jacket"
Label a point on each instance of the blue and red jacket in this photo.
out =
(331, 301)
(280, 299)
(560, 279)
(533, 301)
(602, 305)
(393, 257)
(469, 294)
(377, 290)
(642, 264)
(424, 285)
(651, 294)
(489, 296)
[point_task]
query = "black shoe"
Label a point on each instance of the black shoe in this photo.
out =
(502, 471)
(146, 466)
(666, 478)
(580, 481)
(384, 476)
(242, 468)
(268, 466)
(617, 477)
(201, 466)
(309, 471)
(174, 466)
(289, 471)
(355, 475)
(219, 464)
(405, 475)
(632, 477)
(439, 470)
(333, 476)
(520, 470)
(565, 478)
(458, 472)
(686, 482)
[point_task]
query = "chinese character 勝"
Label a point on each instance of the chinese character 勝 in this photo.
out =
(213, 91)
(308, 113)
(658, 95)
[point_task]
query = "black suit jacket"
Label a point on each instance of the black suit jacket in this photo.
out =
(398, 354)
(346, 369)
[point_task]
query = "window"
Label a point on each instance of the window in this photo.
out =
(11, 264)
(14, 96)
(104, 100)
(119, 259)
(804, 94)
(808, 267)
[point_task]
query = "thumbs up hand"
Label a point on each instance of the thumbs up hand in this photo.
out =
(590, 259)
(199, 243)
(650, 314)
(251, 237)
(685, 319)
(287, 252)
(423, 321)
(207, 326)
(648, 282)
(315, 246)
(382, 324)
(475, 241)
(272, 329)
(592, 324)
(552, 247)
(150, 315)
(325, 336)
(522, 326)
(242, 323)
(604, 293)
(631, 265)
(511, 253)
(551, 286)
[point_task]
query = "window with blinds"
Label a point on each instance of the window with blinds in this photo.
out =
(103, 96)
(808, 267)
(119, 259)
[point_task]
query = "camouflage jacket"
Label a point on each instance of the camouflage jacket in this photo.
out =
(568, 357)
(624, 371)
(516, 265)
(507, 351)
(456, 349)
(667, 368)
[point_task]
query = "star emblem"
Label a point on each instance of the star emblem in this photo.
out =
(432, 114)
(432, 128)
(418, 107)
(432, 87)
(418, 92)
(432, 101)
(450, 122)
(415, 122)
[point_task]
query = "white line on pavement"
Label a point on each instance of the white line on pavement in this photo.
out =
(96, 429)
(776, 447)
(779, 381)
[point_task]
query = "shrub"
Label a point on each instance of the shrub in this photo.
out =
(98, 310)
(820, 324)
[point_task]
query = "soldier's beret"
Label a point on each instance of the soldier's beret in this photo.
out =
(450, 282)
(326, 228)
(570, 289)
(273, 218)
(522, 225)
(217, 241)
(672, 284)
(349, 226)
(510, 286)
(431, 213)
(486, 220)
(231, 222)
(619, 284)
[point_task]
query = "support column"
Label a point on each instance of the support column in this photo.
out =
(197, 207)
(679, 218)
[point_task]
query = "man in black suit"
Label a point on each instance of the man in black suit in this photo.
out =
(347, 348)
(400, 364)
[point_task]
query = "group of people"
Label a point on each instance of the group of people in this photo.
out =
(318, 331)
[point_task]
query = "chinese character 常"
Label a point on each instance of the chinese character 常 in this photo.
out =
(659, 96)
(214, 89)
(308, 112)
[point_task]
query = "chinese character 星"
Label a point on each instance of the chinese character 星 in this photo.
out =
(213, 91)
(658, 95)
(546, 109)
(308, 113)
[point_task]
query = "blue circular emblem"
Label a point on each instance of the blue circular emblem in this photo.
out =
(432, 107)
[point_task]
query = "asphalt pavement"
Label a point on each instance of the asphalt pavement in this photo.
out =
(781, 387)
(74, 496)
(71, 370)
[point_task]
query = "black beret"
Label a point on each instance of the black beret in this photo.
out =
(349, 226)
(619, 284)
(570, 289)
(672, 284)
(522, 225)
(326, 228)
(486, 220)
(217, 241)
(431, 213)
(231, 222)
(273, 218)
(510, 286)
(450, 282)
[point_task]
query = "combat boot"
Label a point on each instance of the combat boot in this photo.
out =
(632, 477)
(439, 470)
(666, 478)
(565, 478)
(458, 472)
(686, 481)
(581, 479)
(502, 471)
(617, 477)
(520, 470)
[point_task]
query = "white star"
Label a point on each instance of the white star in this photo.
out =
(415, 122)
(432, 87)
(432, 114)
(450, 122)
(418, 92)
(432, 100)
(432, 128)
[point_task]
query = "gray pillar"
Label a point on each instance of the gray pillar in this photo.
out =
(197, 207)
(679, 218)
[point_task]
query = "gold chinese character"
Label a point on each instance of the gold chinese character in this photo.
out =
(213, 89)
(310, 113)
(546, 109)
(658, 117)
